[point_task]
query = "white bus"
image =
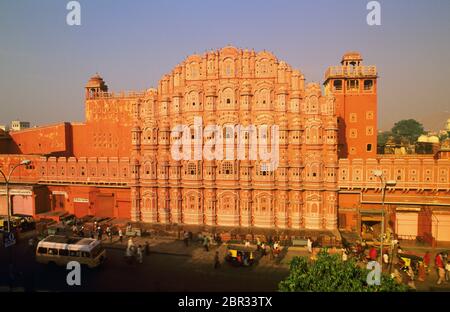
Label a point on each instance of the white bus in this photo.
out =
(60, 250)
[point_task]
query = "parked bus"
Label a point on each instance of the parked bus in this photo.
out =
(60, 250)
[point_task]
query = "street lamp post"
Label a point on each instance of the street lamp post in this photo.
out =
(384, 183)
(7, 179)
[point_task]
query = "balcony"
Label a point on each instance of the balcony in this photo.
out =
(350, 72)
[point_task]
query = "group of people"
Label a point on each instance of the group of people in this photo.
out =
(134, 252)
(96, 232)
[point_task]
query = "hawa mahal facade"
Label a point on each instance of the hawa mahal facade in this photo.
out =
(118, 163)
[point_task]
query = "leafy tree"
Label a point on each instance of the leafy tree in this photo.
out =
(383, 137)
(330, 274)
(407, 129)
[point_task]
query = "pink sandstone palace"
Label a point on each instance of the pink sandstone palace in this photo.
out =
(118, 162)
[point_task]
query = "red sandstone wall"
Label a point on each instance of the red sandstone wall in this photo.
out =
(107, 131)
(42, 140)
(362, 106)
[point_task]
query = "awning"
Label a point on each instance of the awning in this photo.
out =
(371, 218)
(408, 209)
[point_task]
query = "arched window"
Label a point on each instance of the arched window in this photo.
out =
(228, 68)
(227, 99)
(263, 99)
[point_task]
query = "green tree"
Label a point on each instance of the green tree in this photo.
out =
(407, 129)
(383, 137)
(330, 274)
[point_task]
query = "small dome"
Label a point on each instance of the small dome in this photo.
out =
(423, 139)
(433, 139)
(97, 81)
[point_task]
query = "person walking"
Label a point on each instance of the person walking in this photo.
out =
(344, 255)
(411, 278)
(309, 245)
(147, 249)
(216, 260)
(447, 271)
(129, 255)
(120, 235)
(386, 259)
(439, 262)
(99, 233)
(422, 273)
(445, 263)
(206, 243)
(108, 233)
(186, 238)
(426, 262)
(373, 254)
(130, 243)
(139, 254)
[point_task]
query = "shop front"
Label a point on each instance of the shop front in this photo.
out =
(24, 200)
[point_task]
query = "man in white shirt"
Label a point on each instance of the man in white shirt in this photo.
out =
(309, 245)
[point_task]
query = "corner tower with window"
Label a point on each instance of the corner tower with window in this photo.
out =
(354, 86)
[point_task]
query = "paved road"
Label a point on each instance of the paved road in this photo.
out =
(159, 272)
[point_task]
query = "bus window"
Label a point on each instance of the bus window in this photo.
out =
(52, 251)
(63, 252)
(85, 254)
(74, 253)
(42, 250)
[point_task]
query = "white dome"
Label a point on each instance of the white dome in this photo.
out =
(433, 139)
(423, 139)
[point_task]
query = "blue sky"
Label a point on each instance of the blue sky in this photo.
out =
(44, 63)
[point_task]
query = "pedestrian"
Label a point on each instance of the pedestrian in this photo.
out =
(386, 259)
(247, 243)
(139, 254)
(216, 260)
(344, 255)
(440, 268)
(120, 235)
(108, 233)
(128, 255)
(422, 273)
(206, 243)
(426, 262)
(147, 249)
(81, 232)
(186, 238)
(373, 254)
(445, 261)
(447, 271)
(309, 245)
(411, 278)
(99, 233)
(130, 243)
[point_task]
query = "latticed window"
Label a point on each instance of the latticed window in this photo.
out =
(227, 168)
(191, 168)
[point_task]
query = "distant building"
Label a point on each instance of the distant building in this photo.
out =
(4, 127)
(17, 125)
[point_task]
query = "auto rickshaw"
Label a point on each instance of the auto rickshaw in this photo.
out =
(240, 255)
(406, 261)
